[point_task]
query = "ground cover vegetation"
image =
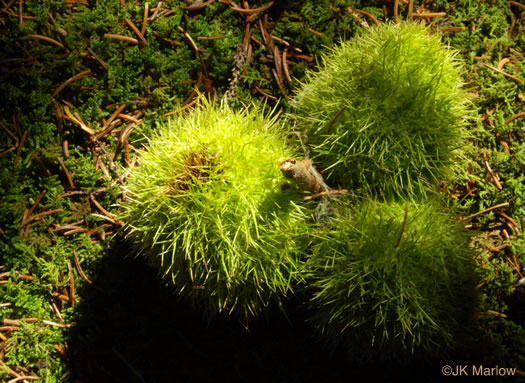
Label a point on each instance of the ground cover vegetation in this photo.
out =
(83, 85)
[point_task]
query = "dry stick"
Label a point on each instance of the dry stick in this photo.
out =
(198, 6)
(68, 176)
(71, 80)
(521, 114)
(145, 19)
(122, 38)
(79, 268)
(19, 149)
(48, 39)
(504, 204)
(71, 284)
(368, 14)
(142, 40)
(503, 73)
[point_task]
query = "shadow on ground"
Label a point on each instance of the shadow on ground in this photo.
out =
(130, 328)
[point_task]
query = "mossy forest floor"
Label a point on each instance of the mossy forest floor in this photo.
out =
(83, 82)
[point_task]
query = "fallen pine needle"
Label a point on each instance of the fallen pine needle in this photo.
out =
(48, 39)
(430, 14)
(139, 34)
(61, 325)
(122, 38)
(255, 10)
(40, 215)
(79, 268)
(19, 149)
(504, 204)
(521, 114)
(71, 80)
(503, 73)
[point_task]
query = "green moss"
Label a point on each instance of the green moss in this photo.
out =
(206, 206)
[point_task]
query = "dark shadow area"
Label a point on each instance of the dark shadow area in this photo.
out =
(131, 328)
